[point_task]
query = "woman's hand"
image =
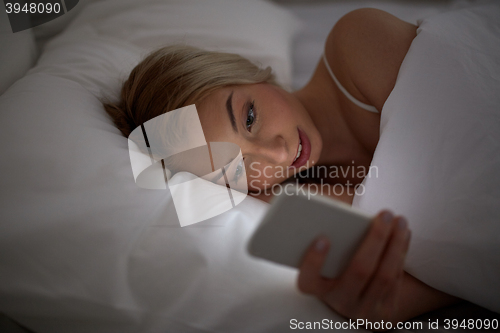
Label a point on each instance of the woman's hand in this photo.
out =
(370, 286)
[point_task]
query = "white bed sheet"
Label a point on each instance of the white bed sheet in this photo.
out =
(318, 19)
(438, 155)
(82, 247)
(122, 288)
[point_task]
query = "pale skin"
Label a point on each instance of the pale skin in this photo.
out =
(365, 50)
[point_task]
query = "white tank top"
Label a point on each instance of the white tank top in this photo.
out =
(367, 107)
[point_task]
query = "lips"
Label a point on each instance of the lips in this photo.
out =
(305, 153)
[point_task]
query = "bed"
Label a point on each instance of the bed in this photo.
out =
(84, 249)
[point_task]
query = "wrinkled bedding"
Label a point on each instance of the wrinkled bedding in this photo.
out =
(438, 157)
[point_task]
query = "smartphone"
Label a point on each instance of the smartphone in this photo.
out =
(295, 219)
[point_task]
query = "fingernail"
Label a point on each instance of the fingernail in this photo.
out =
(402, 223)
(320, 245)
(387, 217)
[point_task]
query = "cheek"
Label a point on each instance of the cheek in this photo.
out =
(285, 105)
(282, 113)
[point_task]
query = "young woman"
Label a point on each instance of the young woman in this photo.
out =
(333, 120)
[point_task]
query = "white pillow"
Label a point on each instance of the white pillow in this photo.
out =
(82, 247)
(438, 157)
(18, 52)
(258, 30)
(45, 31)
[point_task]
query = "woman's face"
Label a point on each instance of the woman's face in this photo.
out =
(270, 126)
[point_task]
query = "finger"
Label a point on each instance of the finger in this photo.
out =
(391, 299)
(386, 307)
(391, 265)
(366, 259)
(310, 280)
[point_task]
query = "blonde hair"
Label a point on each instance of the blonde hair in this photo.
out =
(175, 76)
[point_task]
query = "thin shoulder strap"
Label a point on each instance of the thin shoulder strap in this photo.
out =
(367, 107)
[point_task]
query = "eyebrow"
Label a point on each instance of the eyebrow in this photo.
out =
(229, 107)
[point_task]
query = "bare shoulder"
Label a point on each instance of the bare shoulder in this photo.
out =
(367, 46)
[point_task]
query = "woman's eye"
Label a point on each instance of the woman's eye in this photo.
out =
(238, 171)
(250, 117)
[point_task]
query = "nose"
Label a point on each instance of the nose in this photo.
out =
(274, 152)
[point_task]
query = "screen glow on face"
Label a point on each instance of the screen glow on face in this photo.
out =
(170, 151)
